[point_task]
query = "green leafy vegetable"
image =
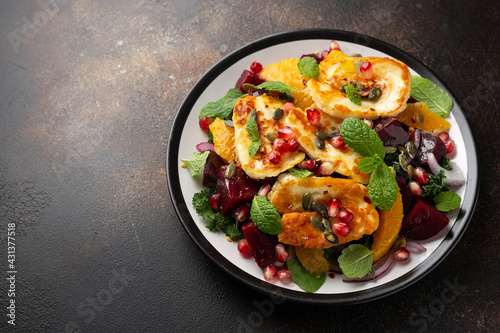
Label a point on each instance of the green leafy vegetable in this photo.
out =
(361, 138)
(253, 130)
(223, 107)
(447, 201)
(265, 216)
(369, 164)
(303, 278)
(275, 86)
(196, 163)
(383, 188)
(435, 185)
(438, 100)
(308, 67)
(300, 172)
(200, 202)
(445, 163)
(353, 94)
(232, 231)
(356, 261)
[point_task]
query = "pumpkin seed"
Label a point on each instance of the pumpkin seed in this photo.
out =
(287, 97)
(374, 94)
(229, 123)
(316, 222)
(411, 148)
(278, 114)
(403, 162)
(320, 143)
(249, 86)
(333, 134)
(271, 136)
(356, 55)
(410, 170)
(320, 208)
(306, 201)
(327, 224)
(253, 114)
(419, 117)
(331, 237)
(390, 149)
(230, 170)
(322, 135)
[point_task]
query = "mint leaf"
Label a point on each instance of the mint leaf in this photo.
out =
(308, 67)
(303, 278)
(200, 203)
(196, 163)
(447, 201)
(383, 188)
(253, 131)
(369, 164)
(361, 138)
(265, 216)
(353, 94)
(223, 107)
(275, 86)
(300, 173)
(356, 261)
(437, 99)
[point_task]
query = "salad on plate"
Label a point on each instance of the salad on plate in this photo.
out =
(327, 165)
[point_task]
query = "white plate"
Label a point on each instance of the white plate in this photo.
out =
(186, 134)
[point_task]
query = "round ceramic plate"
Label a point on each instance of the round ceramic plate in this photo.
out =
(186, 134)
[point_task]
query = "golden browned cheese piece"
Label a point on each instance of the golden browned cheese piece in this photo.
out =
(298, 230)
(286, 195)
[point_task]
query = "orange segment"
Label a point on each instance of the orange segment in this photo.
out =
(223, 140)
(312, 260)
(388, 229)
(431, 120)
(286, 71)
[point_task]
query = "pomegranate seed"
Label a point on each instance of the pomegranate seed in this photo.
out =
(293, 145)
(444, 136)
(242, 213)
(244, 248)
(334, 46)
(270, 273)
(345, 215)
(274, 157)
(280, 145)
(451, 148)
(286, 132)
(415, 188)
(308, 165)
(288, 106)
(366, 69)
(313, 116)
(326, 168)
(264, 190)
(256, 67)
(281, 253)
(334, 207)
(205, 123)
(421, 176)
(324, 54)
(369, 122)
(401, 254)
(341, 229)
(213, 202)
(284, 275)
(337, 142)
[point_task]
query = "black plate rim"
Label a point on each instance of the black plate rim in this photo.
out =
(276, 292)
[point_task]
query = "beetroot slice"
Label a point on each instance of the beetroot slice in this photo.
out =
(235, 190)
(423, 221)
(429, 144)
(391, 132)
(405, 191)
(261, 244)
(248, 77)
(211, 170)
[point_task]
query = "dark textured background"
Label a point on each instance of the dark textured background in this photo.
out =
(89, 90)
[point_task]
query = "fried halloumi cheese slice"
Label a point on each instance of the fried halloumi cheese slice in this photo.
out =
(259, 166)
(345, 160)
(286, 195)
(390, 75)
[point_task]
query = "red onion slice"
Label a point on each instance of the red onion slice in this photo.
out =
(204, 146)
(453, 177)
(415, 247)
(378, 272)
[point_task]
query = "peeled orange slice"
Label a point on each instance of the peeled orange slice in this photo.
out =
(312, 260)
(223, 140)
(419, 112)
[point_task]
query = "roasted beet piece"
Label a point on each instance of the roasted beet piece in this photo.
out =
(262, 244)
(235, 190)
(391, 132)
(405, 191)
(423, 221)
(429, 144)
(211, 169)
(316, 56)
(248, 77)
